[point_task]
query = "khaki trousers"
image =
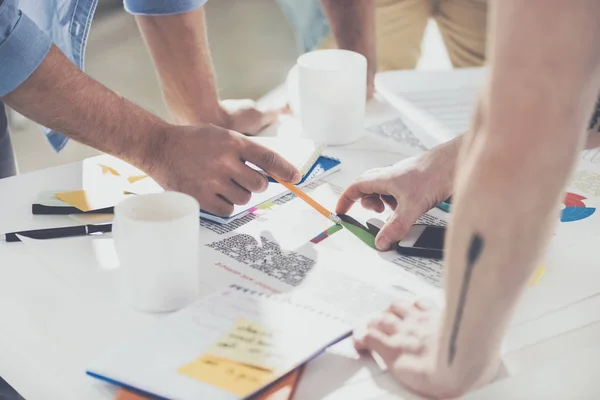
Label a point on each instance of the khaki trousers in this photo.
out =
(400, 26)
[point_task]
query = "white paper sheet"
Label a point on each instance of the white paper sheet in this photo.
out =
(87, 262)
(275, 253)
(89, 265)
(437, 105)
(187, 335)
(397, 130)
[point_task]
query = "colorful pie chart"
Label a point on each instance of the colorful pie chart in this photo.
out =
(575, 209)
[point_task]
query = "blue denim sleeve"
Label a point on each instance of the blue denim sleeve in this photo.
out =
(162, 7)
(23, 46)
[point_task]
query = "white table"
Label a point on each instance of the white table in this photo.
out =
(50, 328)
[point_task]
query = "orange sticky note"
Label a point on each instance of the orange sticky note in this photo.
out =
(126, 395)
(284, 389)
(88, 200)
(235, 378)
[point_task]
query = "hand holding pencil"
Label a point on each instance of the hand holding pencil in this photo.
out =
(310, 201)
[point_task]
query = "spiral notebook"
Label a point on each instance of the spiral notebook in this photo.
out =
(232, 345)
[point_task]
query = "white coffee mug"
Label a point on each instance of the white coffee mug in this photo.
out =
(157, 241)
(327, 89)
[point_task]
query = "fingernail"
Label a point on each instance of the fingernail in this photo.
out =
(382, 243)
(297, 177)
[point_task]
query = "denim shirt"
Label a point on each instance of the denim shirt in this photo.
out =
(308, 20)
(29, 27)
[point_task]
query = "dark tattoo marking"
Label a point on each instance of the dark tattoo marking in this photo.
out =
(472, 256)
(595, 117)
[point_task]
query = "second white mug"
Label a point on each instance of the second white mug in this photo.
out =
(331, 90)
(157, 241)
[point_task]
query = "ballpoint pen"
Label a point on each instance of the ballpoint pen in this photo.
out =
(55, 233)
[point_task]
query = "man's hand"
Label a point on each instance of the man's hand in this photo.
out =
(209, 163)
(406, 337)
(410, 187)
(244, 116)
(206, 162)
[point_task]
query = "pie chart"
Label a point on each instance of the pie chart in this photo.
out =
(575, 209)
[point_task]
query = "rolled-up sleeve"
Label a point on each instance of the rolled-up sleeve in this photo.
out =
(23, 46)
(162, 7)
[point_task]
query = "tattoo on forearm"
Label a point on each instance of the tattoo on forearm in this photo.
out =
(595, 117)
(475, 249)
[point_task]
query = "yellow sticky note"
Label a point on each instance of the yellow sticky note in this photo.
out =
(537, 275)
(108, 170)
(249, 343)
(236, 378)
(88, 200)
(135, 178)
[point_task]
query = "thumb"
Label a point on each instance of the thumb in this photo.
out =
(270, 162)
(395, 228)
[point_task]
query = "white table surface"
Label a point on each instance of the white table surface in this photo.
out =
(50, 329)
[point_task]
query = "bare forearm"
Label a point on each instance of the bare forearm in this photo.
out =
(534, 116)
(179, 47)
(353, 26)
(61, 97)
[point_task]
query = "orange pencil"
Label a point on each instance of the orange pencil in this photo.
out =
(311, 202)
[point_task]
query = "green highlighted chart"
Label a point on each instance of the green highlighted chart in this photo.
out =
(355, 227)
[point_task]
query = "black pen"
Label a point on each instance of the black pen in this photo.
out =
(55, 233)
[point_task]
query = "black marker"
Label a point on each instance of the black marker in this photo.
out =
(55, 233)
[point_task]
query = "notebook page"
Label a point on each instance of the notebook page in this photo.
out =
(437, 104)
(452, 107)
(151, 361)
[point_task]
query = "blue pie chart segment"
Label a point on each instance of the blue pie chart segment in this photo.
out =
(571, 214)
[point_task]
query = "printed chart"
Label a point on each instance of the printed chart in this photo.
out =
(575, 209)
(325, 234)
